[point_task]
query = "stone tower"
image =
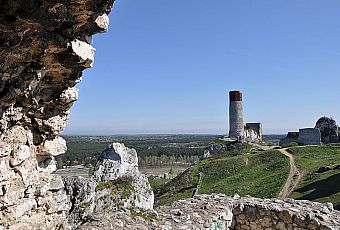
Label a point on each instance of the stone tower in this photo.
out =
(236, 126)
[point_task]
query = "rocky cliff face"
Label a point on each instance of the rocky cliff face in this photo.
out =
(44, 47)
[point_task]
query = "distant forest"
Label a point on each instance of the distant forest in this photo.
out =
(153, 150)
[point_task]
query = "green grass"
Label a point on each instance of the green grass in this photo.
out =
(310, 158)
(320, 187)
(161, 170)
(178, 195)
(291, 144)
(223, 142)
(156, 183)
(123, 185)
(260, 174)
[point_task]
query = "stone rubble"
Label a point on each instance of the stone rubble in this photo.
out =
(220, 212)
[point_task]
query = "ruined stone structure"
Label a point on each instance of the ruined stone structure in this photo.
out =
(251, 132)
(220, 212)
(290, 138)
(309, 136)
(236, 126)
(44, 47)
(325, 131)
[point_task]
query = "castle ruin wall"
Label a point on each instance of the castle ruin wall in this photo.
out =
(309, 136)
(221, 212)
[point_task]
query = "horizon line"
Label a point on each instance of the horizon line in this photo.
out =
(161, 134)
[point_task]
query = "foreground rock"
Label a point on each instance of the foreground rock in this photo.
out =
(222, 212)
(44, 47)
(116, 185)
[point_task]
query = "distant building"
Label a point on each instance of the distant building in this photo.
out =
(251, 132)
(325, 131)
(236, 126)
(310, 136)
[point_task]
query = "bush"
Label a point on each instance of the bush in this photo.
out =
(291, 144)
(270, 143)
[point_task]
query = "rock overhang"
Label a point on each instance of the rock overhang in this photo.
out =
(44, 47)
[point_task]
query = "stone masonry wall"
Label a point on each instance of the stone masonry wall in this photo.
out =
(220, 212)
(309, 136)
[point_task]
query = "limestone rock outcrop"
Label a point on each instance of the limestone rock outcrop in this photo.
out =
(223, 145)
(44, 47)
(325, 131)
(329, 130)
(253, 133)
(116, 184)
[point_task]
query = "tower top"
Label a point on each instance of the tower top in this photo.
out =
(235, 96)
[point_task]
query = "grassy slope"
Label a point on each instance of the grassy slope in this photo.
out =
(321, 187)
(260, 174)
(183, 185)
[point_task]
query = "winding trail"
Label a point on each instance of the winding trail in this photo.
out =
(293, 178)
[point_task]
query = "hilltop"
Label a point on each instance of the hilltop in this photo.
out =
(248, 171)
(320, 168)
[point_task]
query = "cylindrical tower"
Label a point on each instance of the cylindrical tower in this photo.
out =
(236, 126)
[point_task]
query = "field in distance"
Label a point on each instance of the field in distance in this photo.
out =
(153, 150)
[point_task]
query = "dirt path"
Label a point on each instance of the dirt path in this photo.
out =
(196, 190)
(293, 178)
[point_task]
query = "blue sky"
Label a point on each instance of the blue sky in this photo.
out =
(167, 66)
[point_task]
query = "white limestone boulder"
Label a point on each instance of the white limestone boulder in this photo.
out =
(84, 51)
(54, 147)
